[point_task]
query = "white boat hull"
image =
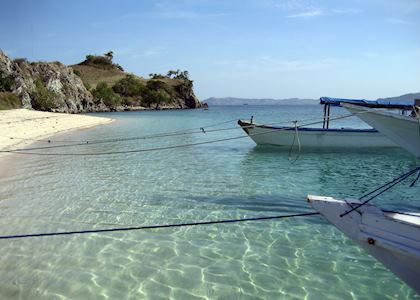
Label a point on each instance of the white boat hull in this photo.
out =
(403, 130)
(315, 137)
(392, 238)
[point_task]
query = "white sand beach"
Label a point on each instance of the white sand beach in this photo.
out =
(20, 127)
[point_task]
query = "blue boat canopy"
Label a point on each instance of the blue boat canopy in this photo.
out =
(369, 103)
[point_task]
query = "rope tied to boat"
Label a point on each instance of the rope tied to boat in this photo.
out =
(383, 188)
(61, 233)
(295, 138)
(29, 150)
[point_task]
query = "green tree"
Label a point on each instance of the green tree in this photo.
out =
(129, 86)
(106, 94)
(109, 55)
(42, 98)
(90, 57)
(154, 84)
(7, 82)
(156, 76)
(9, 100)
(155, 97)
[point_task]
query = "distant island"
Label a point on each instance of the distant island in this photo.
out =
(232, 101)
(403, 98)
(95, 84)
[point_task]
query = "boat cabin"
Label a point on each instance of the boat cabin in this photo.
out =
(404, 106)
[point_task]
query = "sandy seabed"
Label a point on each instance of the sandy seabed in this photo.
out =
(21, 127)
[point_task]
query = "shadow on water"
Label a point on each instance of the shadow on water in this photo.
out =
(266, 205)
(381, 151)
(334, 172)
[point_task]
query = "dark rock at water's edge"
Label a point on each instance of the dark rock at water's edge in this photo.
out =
(53, 86)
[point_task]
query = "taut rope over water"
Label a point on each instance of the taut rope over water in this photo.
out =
(157, 226)
(26, 150)
(383, 188)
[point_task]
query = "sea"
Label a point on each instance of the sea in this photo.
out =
(153, 178)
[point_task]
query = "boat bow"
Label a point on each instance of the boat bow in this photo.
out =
(392, 238)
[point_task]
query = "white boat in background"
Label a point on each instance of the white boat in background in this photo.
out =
(327, 137)
(403, 130)
(392, 238)
(315, 137)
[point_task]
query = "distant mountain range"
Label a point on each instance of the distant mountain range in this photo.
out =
(232, 101)
(403, 98)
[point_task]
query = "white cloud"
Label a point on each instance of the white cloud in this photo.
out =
(345, 11)
(136, 53)
(317, 12)
(172, 10)
(397, 21)
(284, 4)
(308, 14)
(188, 15)
(273, 65)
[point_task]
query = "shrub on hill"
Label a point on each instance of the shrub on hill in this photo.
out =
(103, 62)
(155, 97)
(42, 98)
(157, 76)
(154, 84)
(106, 94)
(131, 101)
(7, 82)
(129, 86)
(9, 100)
(178, 74)
(20, 60)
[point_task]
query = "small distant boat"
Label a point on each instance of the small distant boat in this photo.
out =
(317, 137)
(403, 130)
(392, 238)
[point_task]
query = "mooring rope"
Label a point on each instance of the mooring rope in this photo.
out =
(24, 150)
(295, 137)
(156, 226)
(382, 189)
(164, 134)
(160, 134)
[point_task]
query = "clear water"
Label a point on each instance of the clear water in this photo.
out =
(284, 259)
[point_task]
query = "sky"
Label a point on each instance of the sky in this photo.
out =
(248, 48)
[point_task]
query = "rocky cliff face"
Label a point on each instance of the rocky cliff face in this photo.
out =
(56, 87)
(69, 93)
(187, 98)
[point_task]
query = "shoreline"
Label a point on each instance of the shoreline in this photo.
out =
(22, 127)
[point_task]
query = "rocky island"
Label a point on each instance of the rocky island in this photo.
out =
(97, 84)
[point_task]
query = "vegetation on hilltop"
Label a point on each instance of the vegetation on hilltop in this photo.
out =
(96, 84)
(106, 95)
(8, 100)
(101, 61)
(98, 68)
(108, 83)
(43, 98)
(7, 82)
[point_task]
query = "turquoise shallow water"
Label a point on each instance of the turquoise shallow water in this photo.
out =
(286, 259)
